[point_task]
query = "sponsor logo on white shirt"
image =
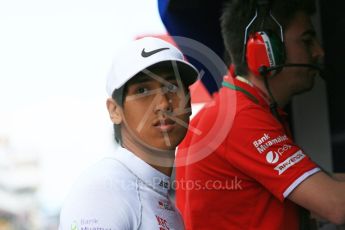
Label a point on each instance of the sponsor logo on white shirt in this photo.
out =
(290, 161)
(165, 205)
(88, 224)
(163, 223)
(164, 184)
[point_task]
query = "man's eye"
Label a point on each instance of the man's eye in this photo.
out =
(308, 41)
(142, 90)
(172, 88)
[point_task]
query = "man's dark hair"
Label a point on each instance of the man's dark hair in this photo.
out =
(119, 96)
(237, 15)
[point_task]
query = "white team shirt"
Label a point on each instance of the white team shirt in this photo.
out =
(120, 193)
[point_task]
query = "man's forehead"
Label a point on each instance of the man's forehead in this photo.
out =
(300, 24)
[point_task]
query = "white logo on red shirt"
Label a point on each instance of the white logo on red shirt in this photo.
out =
(290, 161)
(265, 142)
(272, 157)
(261, 140)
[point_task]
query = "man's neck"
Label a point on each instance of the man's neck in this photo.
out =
(162, 160)
(278, 93)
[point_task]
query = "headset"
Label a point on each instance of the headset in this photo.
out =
(264, 51)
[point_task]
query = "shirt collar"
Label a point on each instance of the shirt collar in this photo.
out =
(256, 94)
(145, 172)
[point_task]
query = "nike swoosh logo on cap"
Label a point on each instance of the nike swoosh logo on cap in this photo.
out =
(149, 53)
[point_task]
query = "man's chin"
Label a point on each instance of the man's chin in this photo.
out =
(305, 89)
(310, 84)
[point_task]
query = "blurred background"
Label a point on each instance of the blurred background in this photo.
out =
(54, 59)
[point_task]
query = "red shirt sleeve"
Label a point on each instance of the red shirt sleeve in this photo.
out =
(259, 147)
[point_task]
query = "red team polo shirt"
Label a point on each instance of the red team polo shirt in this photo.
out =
(243, 182)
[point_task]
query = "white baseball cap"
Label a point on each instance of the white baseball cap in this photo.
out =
(143, 53)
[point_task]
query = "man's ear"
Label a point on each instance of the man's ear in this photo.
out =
(115, 111)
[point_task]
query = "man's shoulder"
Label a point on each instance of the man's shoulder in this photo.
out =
(109, 174)
(107, 180)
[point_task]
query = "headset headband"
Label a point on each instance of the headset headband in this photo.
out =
(263, 8)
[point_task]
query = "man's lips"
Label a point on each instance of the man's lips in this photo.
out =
(164, 125)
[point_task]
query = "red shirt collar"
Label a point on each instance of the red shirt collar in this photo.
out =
(261, 97)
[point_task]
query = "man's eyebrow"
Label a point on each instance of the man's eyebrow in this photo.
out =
(310, 32)
(140, 79)
(170, 77)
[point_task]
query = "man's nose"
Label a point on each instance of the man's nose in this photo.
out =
(164, 102)
(318, 52)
